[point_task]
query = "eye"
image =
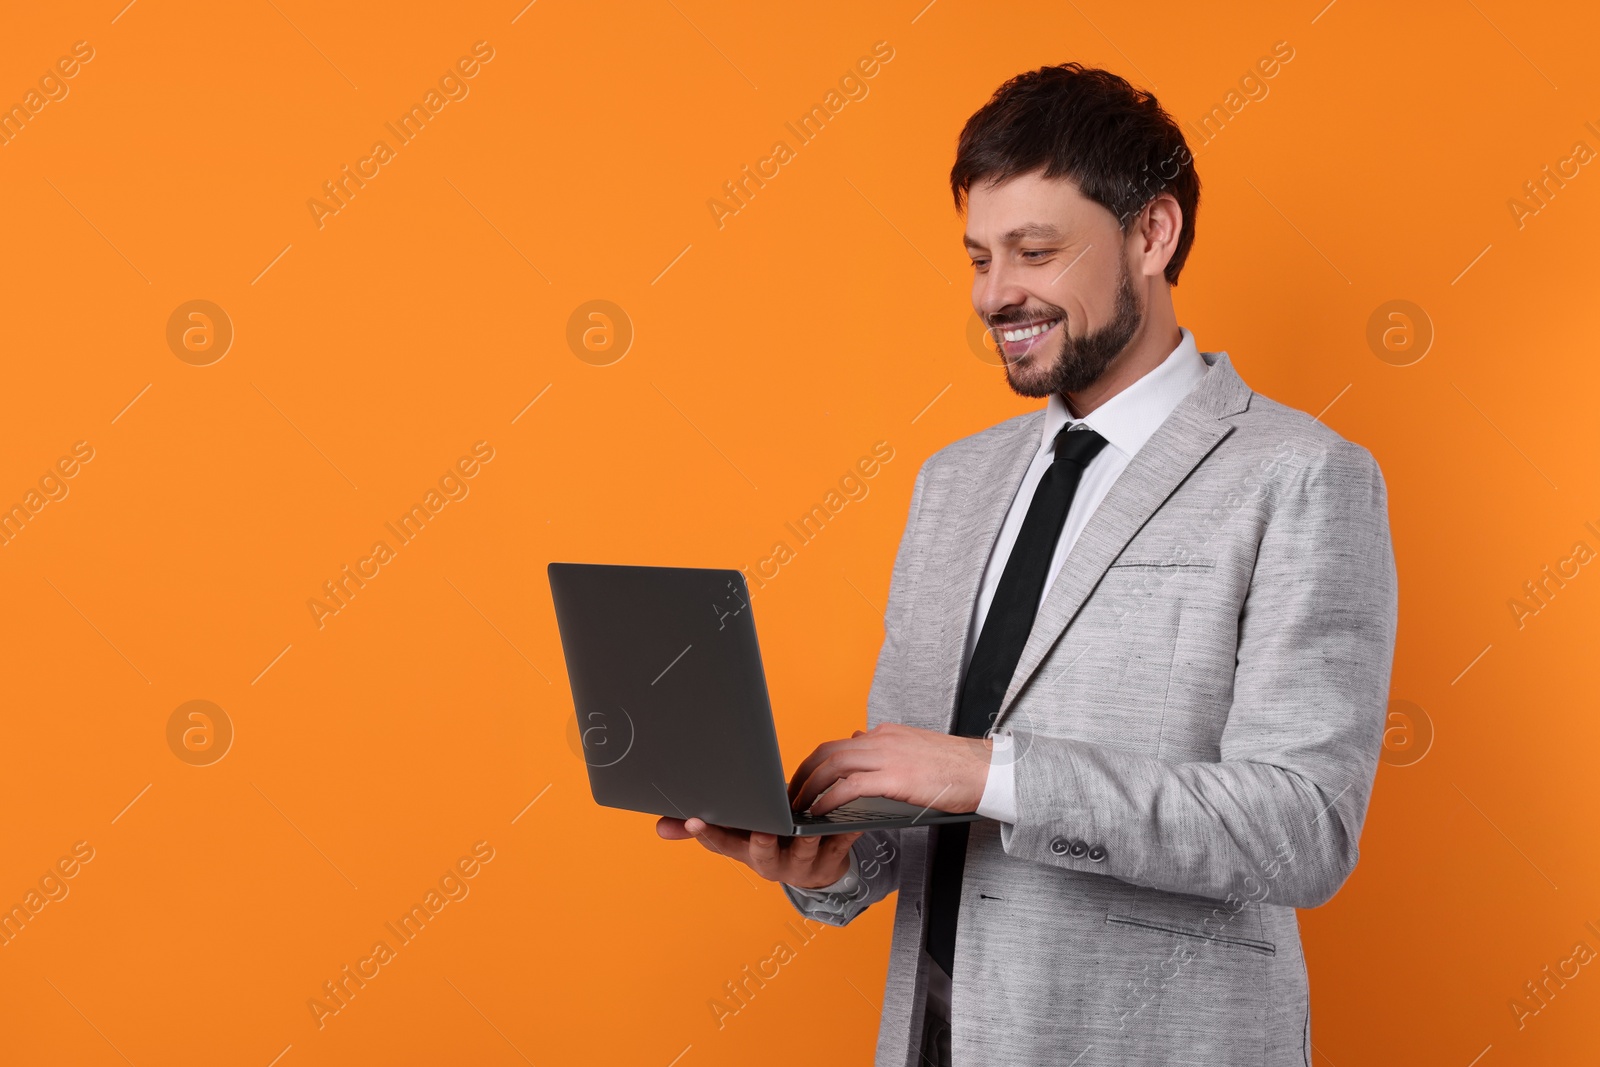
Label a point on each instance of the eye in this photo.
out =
(1037, 252)
(979, 264)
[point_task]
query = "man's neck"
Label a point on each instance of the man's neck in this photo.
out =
(1148, 349)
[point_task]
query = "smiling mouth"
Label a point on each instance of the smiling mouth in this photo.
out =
(1020, 340)
(1022, 333)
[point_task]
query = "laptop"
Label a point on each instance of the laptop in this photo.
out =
(672, 705)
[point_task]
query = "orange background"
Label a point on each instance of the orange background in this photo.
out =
(429, 713)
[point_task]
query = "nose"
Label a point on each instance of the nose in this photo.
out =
(996, 290)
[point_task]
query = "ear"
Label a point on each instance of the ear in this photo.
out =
(1154, 235)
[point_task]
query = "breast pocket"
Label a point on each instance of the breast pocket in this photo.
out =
(1141, 597)
(1137, 606)
(1117, 654)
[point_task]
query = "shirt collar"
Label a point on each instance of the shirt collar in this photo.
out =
(1128, 419)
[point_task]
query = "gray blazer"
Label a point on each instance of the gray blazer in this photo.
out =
(1198, 714)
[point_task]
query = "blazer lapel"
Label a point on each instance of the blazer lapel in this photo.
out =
(979, 503)
(1187, 436)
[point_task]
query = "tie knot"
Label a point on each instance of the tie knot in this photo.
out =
(1079, 444)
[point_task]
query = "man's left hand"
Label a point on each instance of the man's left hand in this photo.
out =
(922, 767)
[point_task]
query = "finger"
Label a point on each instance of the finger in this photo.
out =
(835, 847)
(802, 857)
(844, 758)
(723, 841)
(842, 762)
(809, 765)
(672, 829)
(846, 789)
(763, 856)
(832, 858)
(819, 858)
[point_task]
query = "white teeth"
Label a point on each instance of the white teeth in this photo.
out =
(1031, 331)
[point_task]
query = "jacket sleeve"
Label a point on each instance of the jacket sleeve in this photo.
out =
(875, 856)
(1277, 820)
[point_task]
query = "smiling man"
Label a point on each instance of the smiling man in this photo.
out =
(1145, 630)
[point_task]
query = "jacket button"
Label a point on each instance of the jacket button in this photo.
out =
(1097, 854)
(1077, 850)
(1059, 846)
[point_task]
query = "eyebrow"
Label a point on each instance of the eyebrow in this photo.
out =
(1040, 231)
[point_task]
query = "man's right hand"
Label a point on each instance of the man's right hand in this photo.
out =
(809, 862)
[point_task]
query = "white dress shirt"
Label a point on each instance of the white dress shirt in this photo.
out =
(1126, 421)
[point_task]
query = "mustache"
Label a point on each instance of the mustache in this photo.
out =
(1000, 322)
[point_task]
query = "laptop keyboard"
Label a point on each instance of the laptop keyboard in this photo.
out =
(843, 814)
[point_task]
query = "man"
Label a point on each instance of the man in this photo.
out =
(1146, 631)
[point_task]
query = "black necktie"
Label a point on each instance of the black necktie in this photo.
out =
(994, 659)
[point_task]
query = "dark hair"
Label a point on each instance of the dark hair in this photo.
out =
(1114, 142)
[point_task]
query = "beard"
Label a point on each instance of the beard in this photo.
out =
(1081, 360)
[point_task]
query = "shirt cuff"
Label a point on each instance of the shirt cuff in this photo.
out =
(1000, 790)
(848, 884)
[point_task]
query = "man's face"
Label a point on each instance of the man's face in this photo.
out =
(1049, 272)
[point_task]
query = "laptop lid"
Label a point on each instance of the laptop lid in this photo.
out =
(670, 694)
